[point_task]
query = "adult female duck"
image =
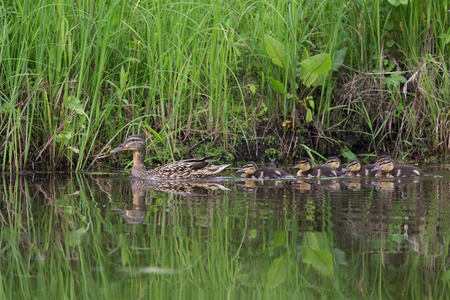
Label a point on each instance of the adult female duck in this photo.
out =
(184, 169)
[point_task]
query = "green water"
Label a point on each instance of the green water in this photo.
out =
(108, 237)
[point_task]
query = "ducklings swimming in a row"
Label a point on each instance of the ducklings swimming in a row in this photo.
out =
(307, 170)
(384, 167)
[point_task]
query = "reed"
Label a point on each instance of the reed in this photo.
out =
(76, 75)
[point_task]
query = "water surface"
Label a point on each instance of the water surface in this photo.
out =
(95, 236)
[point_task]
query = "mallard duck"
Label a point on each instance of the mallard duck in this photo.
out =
(387, 167)
(250, 170)
(354, 169)
(335, 163)
(307, 170)
(184, 169)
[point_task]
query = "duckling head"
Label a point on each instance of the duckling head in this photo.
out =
(333, 162)
(304, 165)
(385, 164)
(249, 169)
(353, 166)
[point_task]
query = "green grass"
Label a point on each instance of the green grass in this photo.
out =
(78, 77)
(63, 238)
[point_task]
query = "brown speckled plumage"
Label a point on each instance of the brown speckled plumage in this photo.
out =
(184, 169)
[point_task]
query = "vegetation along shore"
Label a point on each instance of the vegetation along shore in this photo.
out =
(245, 80)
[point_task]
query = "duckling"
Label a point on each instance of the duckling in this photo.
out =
(307, 170)
(354, 169)
(387, 167)
(250, 170)
(335, 163)
(184, 169)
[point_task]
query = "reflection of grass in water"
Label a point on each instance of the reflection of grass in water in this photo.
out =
(63, 241)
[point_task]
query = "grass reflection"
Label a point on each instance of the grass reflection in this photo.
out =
(71, 237)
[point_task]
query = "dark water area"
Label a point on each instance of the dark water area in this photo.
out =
(106, 236)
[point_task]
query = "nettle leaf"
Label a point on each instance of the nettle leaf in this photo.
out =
(318, 64)
(275, 50)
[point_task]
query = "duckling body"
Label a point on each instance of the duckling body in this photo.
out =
(354, 169)
(307, 170)
(184, 169)
(386, 167)
(335, 163)
(250, 170)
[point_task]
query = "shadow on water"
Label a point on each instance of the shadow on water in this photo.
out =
(103, 236)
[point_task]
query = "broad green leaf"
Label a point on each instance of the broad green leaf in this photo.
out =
(277, 86)
(277, 272)
(395, 79)
(320, 80)
(317, 253)
(340, 257)
(349, 155)
(76, 105)
(308, 115)
(339, 58)
(321, 260)
(398, 2)
(275, 50)
(279, 239)
(318, 64)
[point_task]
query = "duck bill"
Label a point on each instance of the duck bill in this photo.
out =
(118, 149)
(344, 170)
(295, 167)
(241, 170)
(375, 168)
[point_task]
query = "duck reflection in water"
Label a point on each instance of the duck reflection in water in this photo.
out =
(329, 185)
(136, 212)
(390, 185)
(254, 185)
(384, 186)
